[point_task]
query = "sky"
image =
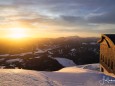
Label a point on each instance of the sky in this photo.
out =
(57, 18)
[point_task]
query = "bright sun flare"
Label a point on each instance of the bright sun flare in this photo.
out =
(17, 33)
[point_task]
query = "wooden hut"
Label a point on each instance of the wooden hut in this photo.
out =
(107, 54)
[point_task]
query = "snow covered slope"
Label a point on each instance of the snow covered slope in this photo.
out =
(19, 77)
(77, 76)
(65, 62)
(69, 76)
(90, 66)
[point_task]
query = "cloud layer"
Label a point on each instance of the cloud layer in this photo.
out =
(60, 16)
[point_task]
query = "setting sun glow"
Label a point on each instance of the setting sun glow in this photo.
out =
(17, 33)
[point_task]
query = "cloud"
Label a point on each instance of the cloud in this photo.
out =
(64, 15)
(71, 18)
(107, 18)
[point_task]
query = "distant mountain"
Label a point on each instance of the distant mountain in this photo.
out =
(41, 54)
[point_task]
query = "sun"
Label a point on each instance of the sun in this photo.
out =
(17, 33)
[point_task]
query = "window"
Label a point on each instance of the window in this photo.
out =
(101, 57)
(108, 62)
(112, 65)
(105, 60)
(102, 70)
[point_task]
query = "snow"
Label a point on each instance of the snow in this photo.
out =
(23, 54)
(19, 77)
(44, 50)
(50, 52)
(84, 43)
(69, 76)
(20, 54)
(72, 50)
(2, 67)
(90, 66)
(4, 55)
(15, 55)
(37, 57)
(40, 51)
(72, 70)
(75, 76)
(2, 59)
(14, 60)
(93, 43)
(65, 62)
